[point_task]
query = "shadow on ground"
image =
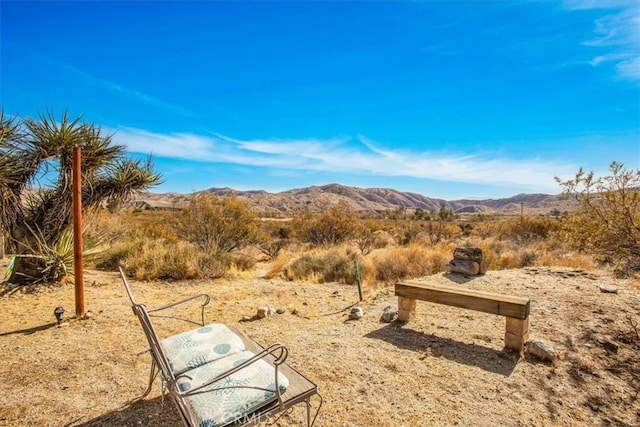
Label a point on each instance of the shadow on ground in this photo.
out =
(429, 345)
(459, 278)
(141, 413)
(29, 331)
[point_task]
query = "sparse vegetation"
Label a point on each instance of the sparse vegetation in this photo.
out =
(216, 224)
(325, 265)
(334, 226)
(215, 236)
(410, 262)
(608, 221)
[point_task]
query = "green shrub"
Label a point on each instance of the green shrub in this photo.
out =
(607, 224)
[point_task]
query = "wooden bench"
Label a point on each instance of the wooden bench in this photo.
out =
(515, 309)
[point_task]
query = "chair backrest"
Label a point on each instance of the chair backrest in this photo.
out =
(140, 310)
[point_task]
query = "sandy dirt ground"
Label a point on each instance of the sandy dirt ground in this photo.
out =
(446, 367)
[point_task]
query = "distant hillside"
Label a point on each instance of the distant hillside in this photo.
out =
(319, 198)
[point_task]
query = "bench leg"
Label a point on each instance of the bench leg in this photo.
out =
(406, 309)
(517, 333)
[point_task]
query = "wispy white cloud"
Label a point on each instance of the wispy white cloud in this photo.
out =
(359, 156)
(109, 85)
(617, 33)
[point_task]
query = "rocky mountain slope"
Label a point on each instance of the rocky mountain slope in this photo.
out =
(318, 198)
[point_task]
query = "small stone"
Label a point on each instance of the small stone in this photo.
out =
(63, 324)
(246, 318)
(280, 310)
(272, 311)
(389, 314)
(608, 345)
(88, 315)
(594, 407)
(541, 349)
(356, 313)
(262, 312)
(607, 289)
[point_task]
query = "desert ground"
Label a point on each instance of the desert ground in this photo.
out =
(446, 367)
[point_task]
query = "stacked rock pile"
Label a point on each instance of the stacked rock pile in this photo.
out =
(468, 261)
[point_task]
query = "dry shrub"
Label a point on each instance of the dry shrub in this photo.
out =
(218, 224)
(278, 265)
(103, 226)
(243, 262)
(333, 226)
(501, 254)
(272, 237)
(153, 259)
(607, 223)
(522, 229)
(433, 233)
(365, 236)
(566, 259)
(412, 261)
(506, 260)
(382, 239)
(156, 230)
(336, 264)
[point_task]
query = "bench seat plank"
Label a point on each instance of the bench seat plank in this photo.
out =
(488, 302)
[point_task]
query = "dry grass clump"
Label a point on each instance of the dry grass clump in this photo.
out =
(243, 262)
(154, 259)
(335, 264)
(414, 260)
(522, 229)
(566, 259)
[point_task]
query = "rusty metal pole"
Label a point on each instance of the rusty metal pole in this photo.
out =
(77, 231)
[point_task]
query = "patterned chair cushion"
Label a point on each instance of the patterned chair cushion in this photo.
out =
(197, 347)
(229, 405)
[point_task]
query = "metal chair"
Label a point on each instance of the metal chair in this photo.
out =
(218, 376)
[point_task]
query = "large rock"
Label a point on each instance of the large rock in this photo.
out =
(389, 314)
(541, 349)
(470, 268)
(468, 261)
(468, 253)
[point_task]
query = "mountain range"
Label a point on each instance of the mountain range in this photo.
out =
(366, 200)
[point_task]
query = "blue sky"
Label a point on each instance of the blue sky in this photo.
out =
(449, 99)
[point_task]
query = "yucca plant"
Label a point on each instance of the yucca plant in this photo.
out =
(30, 148)
(48, 262)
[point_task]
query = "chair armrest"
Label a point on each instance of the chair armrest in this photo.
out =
(279, 351)
(206, 300)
